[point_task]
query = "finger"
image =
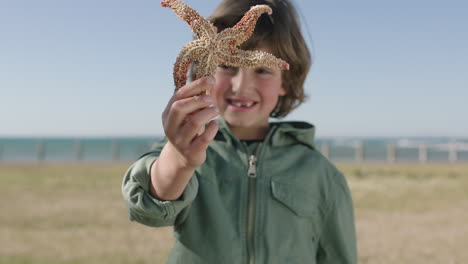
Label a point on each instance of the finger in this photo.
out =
(196, 87)
(192, 125)
(201, 142)
(182, 110)
(168, 107)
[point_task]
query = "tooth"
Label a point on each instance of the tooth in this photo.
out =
(239, 104)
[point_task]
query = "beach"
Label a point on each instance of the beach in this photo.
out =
(74, 213)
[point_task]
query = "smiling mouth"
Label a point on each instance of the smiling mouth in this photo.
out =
(241, 104)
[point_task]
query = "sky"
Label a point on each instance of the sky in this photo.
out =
(104, 68)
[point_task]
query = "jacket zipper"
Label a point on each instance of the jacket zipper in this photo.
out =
(252, 182)
(252, 175)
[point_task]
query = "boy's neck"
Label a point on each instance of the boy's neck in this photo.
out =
(251, 133)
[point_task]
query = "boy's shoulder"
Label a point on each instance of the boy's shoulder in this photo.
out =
(292, 132)
(300, 137)
(302, 134)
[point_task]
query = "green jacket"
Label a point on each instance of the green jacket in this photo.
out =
(280, 203)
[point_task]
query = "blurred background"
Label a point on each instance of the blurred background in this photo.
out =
(83, 85)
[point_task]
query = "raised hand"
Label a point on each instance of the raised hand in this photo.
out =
(185, 116)
(184, 121)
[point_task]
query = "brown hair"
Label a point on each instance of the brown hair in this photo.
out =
(279, 31)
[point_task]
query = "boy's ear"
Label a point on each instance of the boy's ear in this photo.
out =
(282, 91)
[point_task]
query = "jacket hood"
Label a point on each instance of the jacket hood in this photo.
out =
(280, 134)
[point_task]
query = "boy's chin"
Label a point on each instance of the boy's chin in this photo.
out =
(243, 123)
(236, 122)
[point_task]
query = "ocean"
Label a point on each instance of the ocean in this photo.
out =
(24, 150)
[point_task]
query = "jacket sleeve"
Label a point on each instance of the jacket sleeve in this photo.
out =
(146, 209)
(337, 243)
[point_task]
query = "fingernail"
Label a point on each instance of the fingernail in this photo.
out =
(207, 98)
(215, 108)
(210, 80)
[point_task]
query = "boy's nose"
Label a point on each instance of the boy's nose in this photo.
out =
(241, 81)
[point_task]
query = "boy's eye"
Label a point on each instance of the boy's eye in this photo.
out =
(263, 71)
(227, 68)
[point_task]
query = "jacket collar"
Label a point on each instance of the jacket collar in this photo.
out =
(280, 134)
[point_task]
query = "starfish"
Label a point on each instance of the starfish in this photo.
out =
(211, 49)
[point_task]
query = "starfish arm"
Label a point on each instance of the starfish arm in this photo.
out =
(249, 58)
(199, 25)
(191, 52)
(203, 29)
(245, 27)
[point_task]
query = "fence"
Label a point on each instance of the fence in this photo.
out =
(79, 150)
(393, 152)
(113, 150)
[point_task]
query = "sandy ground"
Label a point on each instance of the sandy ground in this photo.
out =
(74, 213)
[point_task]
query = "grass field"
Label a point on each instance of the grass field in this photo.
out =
(74, 213)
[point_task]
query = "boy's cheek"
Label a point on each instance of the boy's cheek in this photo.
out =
(217, 96)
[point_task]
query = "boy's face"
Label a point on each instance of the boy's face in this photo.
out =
(246, 97)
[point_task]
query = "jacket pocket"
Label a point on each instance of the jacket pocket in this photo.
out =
(297, 198)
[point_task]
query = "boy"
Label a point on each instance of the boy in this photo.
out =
(245, 190)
